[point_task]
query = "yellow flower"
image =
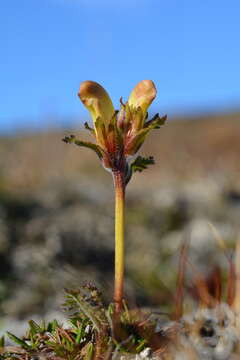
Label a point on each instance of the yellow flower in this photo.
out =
(119, 135)
(142, 95)
(96, 100)
(132, 118)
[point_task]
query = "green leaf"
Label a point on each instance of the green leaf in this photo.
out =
(90, 350)
(18, 341)
(142, 163)
(139, 164)
(89, 312)
(156, 122)
(87, 127)
(2, 341)
(110, 309)
(142, 345)
(52, 326)
(80, 333)
(86, 303)
(73, 140)
(34, 327)
(69, 139)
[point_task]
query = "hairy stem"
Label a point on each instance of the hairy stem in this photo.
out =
(119, 238)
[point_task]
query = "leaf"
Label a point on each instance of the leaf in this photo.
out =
(52, 326)
(139, 164)
(80, 333)
(156, 122)
(69, 139)
(18, 341)
(142, 163)
(88, 311)
(87, 301)
(87, 127)
(2, 341)
(34, 327)
(90, 350)
(73, 140)
(142, 344)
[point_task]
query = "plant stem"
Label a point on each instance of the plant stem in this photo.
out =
(119, 238)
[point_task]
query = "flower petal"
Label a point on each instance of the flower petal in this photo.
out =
(142, 95)
(96, 100)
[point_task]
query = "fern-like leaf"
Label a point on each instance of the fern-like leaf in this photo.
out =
(142, 163)
(73, 140)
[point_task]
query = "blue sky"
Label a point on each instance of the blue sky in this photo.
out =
(189, 48)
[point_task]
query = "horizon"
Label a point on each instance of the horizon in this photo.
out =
(55, 124)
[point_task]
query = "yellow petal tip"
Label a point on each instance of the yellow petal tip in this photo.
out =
(142, 95)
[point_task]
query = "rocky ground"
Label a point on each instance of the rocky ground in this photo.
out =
(56, 215)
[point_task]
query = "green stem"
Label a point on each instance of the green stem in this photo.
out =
(119, 239)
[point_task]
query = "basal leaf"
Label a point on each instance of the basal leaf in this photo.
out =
(18, 341)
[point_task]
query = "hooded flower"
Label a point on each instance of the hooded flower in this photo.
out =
(142, 96)
(97, 101)
(119, 134)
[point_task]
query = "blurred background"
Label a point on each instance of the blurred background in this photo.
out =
(56, 202)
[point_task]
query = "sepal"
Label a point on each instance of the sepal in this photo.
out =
(136, 141)
(114, 133)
